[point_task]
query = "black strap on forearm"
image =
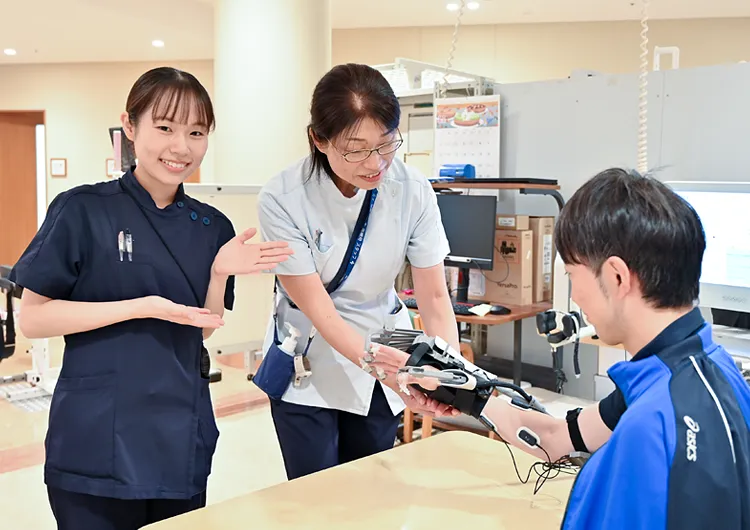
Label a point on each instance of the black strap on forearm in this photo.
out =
(575, 431)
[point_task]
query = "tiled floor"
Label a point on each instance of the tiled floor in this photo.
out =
(247, 457)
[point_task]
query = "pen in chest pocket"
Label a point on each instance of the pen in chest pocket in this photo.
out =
(121, 243)
(129, 244)
(318, 234)
(125, 244)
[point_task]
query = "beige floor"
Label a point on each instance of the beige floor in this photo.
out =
(247, 457)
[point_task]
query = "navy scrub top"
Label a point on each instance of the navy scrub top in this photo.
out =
(131, 416)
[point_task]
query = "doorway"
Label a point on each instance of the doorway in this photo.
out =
(20, 138)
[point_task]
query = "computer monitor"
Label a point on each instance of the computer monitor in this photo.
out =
(724, 209)
(469, 223)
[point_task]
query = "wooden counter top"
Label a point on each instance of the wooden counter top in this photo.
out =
(454, 480)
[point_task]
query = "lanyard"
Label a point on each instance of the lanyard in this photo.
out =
(347, 265)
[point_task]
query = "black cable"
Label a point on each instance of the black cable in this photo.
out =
(502, 384)
(507, 269)
(561, 465)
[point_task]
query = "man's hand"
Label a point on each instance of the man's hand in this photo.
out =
(163, 309)
(418, 401)
(421, 404)
(239, 257)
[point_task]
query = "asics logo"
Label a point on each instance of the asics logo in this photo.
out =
(692, 442)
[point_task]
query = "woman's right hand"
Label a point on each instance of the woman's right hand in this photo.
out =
(163, 309)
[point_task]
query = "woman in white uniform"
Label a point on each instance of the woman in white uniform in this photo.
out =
(342, 411)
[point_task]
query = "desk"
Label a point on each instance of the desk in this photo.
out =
(517, 314)
(455, 480)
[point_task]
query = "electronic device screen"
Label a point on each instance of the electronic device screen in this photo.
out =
(724, 211)
(469, 223)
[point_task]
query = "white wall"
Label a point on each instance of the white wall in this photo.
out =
(532, 52)
(81, 102)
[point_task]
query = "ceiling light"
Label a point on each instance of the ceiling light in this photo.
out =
(473, 5)
(452, 7)
(157, 43)
(9, 51)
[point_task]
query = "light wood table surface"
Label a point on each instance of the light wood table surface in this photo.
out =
(455, 480)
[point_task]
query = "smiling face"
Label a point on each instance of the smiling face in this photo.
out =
(606, 300)
(356, 173)
(169, 146)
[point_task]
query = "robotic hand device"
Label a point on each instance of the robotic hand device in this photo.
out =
(561, 328)
(564, 324)
(463, 385)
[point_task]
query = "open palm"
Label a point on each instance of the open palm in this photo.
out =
(238, 256)
(163, 309)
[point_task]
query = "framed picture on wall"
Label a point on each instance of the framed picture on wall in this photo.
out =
(111, 172)
(58, 167)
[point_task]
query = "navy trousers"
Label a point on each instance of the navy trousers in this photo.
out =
(76, 511)
(316, 438)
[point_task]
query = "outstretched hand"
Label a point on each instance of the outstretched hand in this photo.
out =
(239, 257)
(163, 309)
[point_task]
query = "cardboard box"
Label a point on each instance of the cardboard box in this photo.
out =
(512, 222)
(510, 281)
(544, 257)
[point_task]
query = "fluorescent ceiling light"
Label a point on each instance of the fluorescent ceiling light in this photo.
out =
(473, 5)
(9, 51)
(157, 43)
(452, 7)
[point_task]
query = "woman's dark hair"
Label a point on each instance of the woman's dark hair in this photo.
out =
(642, 221)
(169, 91)
(346, 95)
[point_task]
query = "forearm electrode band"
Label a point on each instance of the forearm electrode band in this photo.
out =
(575, 431)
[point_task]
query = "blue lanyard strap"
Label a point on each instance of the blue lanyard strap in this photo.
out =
(347, 265)
(355, 243)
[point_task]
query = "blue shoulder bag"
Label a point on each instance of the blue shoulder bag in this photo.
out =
(277, 369)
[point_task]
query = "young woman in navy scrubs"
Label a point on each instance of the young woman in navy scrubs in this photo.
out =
(135, 274)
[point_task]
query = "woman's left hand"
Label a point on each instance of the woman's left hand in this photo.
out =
(238, 257)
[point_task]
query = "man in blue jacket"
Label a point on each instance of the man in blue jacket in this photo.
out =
(671, 445)
(679, 452)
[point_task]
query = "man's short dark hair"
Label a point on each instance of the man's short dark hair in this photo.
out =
(642, 221)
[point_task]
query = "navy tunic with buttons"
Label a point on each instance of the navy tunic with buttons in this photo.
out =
(131, 416)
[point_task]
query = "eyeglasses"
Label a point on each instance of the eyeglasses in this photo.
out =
(360, 155)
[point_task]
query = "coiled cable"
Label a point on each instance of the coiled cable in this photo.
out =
(643, 94)
(449, 64)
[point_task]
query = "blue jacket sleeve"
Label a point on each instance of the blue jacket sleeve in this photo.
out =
(625, 484)
(51, 264)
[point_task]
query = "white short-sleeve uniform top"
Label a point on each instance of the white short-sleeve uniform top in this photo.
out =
(317, 221)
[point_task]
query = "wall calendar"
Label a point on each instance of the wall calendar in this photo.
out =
(467, 131)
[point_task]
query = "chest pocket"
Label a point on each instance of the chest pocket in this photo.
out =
(327, 262)
(128, 271)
